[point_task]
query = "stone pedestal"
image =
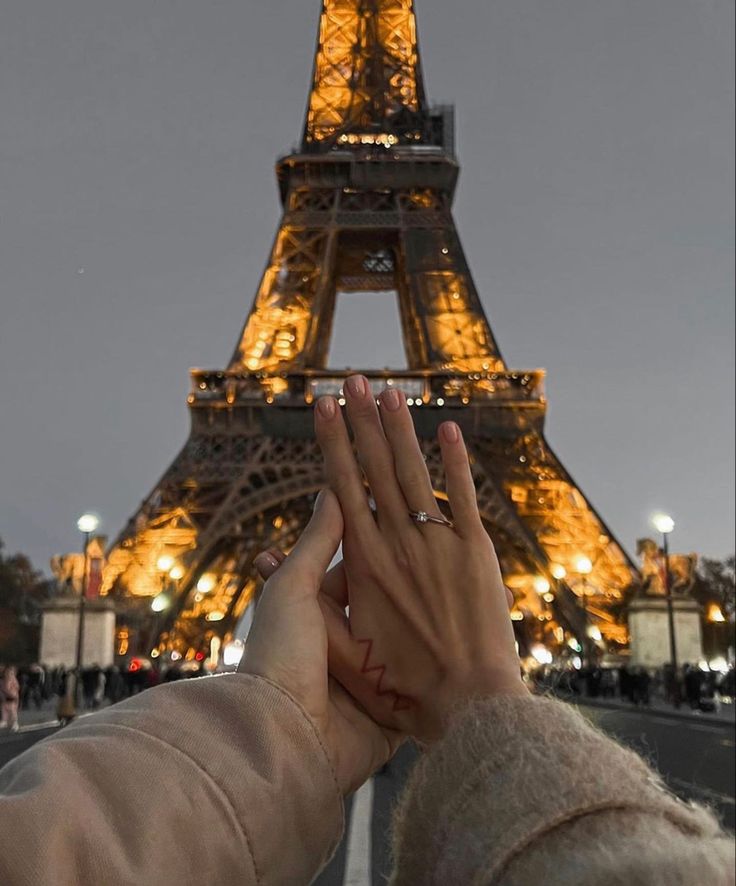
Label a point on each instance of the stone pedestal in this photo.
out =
(650, 633)
(59, 628)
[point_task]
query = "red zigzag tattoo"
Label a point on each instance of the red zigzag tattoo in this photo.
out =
(401, 702)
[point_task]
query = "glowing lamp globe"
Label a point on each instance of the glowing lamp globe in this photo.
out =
(165, 563)
(558, 571)
(88, 523)
(206, 584)
(583, 566)
(232, 653)
(542, 655)
(663, 523)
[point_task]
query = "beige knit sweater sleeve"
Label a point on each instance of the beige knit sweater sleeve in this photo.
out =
(524, 791)
(222, 781)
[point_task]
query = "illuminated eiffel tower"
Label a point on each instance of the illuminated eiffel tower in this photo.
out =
(366, 208)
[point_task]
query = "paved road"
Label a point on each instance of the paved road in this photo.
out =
(696, 757)
(15, 743)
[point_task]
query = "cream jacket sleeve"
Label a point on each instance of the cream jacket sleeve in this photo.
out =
(226, 781)
(524, 791)
(222, 780)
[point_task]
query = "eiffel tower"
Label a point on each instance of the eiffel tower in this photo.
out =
(367, 207)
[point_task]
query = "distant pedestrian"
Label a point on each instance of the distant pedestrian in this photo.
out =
(9, 699)
(36, 680)
(114, 684)
(93, 686)
(625, 684)
(99, 691)
(693, 685)
(641, 682)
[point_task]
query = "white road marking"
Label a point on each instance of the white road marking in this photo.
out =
(358, 863)
(37, 726)
(704, 727)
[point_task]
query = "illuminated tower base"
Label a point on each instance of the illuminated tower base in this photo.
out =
(367, 207)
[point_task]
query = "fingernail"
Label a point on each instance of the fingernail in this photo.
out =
(391, 400)
(267, 565)
(319, 501)
(451, 432)
(265, 557)
(327, 407)
(358, 386)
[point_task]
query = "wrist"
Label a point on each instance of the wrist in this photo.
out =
(507, 686)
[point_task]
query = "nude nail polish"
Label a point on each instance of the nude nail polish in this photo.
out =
(358, 386)
(451, 432)
(327, 407)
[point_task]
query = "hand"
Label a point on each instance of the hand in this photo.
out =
(288, 645)
(429, 625)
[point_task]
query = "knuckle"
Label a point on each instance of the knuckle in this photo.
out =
(456, 459)
(341, 483)
(330, 433)
(412, 481)
(363, 409)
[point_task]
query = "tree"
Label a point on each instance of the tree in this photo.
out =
(22, 591)
(715, 590)
(716, 583)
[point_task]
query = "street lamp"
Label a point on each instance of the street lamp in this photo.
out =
(584, 567)
(160, 603)
(169, 569)
(206, 584)
(86, 524)
(664, 524)
(165, 563)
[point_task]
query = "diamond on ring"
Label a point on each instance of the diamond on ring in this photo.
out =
(422, 517)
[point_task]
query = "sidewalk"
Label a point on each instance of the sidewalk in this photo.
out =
(725, 716)
(32, 718)
(35, 718)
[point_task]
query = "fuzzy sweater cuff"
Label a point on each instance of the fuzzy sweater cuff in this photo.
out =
(509, 771)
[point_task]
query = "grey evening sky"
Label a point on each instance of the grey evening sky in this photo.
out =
(137, 207)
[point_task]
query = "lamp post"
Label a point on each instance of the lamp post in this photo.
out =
(584, 567)
(165, 565)
(86, 524)
(664, 524)
(170, 571)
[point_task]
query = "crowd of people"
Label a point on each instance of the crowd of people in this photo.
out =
(37, 686)
(694, 687)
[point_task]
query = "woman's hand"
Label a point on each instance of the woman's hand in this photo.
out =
(288, 645)
(428, 622)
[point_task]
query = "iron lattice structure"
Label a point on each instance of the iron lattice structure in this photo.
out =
(366, 207)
